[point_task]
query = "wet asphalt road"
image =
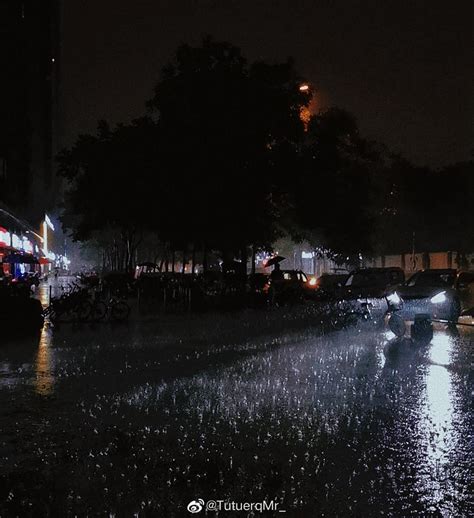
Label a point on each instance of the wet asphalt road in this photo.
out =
(143, 418)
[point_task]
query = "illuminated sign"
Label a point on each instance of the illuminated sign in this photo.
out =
(17, 242)
(27, 246)
(4, 237)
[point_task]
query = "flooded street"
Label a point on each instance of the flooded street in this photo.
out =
(144, 418)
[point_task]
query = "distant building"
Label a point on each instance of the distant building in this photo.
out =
(302, 256)
(29, 71)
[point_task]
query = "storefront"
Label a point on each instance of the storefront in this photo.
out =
(18, 254)
(25, 251)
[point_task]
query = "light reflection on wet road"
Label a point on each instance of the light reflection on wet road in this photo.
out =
(148, 417)
(44, 369)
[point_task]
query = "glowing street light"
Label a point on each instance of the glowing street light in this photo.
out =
(305, 111)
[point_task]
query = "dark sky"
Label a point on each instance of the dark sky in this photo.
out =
(403, 67)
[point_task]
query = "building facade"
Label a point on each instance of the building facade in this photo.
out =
(29, 86)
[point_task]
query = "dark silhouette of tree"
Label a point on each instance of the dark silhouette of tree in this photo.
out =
(427, 209)
(223, 163)
(204, 172)
(109, 176)
(226, 125)
(334, 192)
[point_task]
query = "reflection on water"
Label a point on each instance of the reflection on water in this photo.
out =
(438, 410)
(437, 416)
(440, 351)
(42, 293)
(44, 379)
(329, 425)
(51, 288)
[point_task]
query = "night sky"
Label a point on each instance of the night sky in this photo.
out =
(404, 68)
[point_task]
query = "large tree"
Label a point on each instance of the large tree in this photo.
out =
(334, 192)
(224, 161)
(207, 169)
(229, 129)
(110, 175)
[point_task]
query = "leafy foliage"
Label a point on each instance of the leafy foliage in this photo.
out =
(224, 161)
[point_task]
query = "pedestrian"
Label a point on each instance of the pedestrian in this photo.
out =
(277, 274)
(276, 278)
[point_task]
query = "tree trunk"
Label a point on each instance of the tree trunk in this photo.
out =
(183, 267)
(204, 258)
(193, 260)
(243, 258)
(167, 262)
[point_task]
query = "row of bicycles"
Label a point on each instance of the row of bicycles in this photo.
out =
(83, 304)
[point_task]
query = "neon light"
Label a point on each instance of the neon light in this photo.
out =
(4, 237)
(27, 246)
(17, 242)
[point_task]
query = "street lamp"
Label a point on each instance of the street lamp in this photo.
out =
(305, 113)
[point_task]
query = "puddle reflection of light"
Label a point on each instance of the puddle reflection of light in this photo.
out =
(44, 380)
(43, 294)
(439, 410)
(437, 421)
(440, 349)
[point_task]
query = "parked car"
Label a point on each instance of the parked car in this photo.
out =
(366, 289)
(294, 285)
(431, 292)
(328, 284)
(464, 286)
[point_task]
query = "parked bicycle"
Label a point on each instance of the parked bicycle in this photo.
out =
(73, 305)
(115, 309)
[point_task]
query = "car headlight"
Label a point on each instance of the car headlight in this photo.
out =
(439, 298)
(394, 298)
(312, 281)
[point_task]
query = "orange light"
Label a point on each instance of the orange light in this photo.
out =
(304, 88)
(305, 116)
(313, 281)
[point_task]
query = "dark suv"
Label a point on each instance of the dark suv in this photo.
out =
(431, 292)
(464, 286)
(366, 289)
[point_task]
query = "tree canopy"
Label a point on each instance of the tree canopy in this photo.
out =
(224, 161)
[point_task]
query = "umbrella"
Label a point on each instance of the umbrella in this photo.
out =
(276, 259)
